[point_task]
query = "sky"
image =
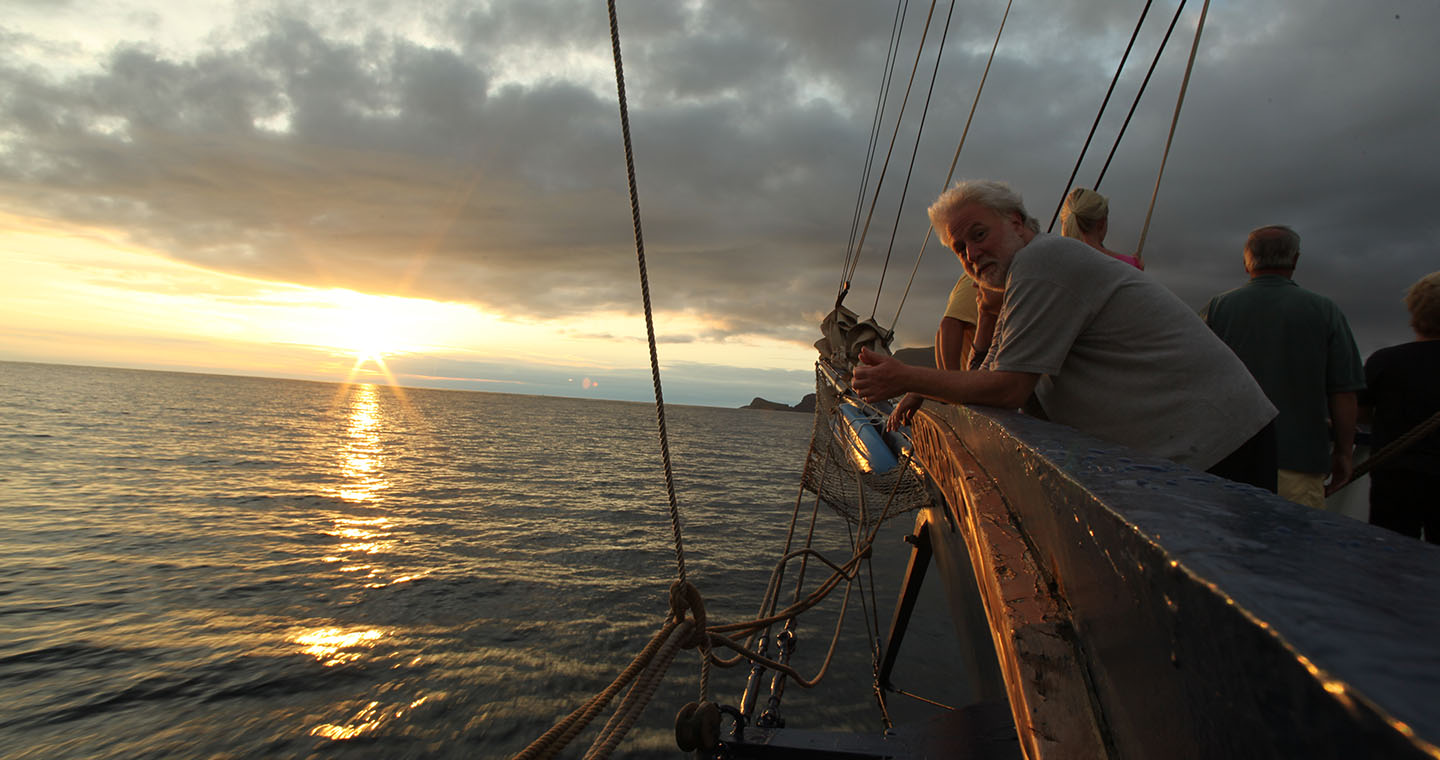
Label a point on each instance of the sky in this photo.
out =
(435, 194)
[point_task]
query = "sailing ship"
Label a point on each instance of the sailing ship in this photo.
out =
(1110, 604)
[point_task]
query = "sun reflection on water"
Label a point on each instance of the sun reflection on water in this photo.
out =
(369, 718)
(336, 646)
(361, 460)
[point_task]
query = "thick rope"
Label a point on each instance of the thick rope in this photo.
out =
(636, 700)
(1164, 42)
(561, 734)
(1096, 125)
(1395, 447)
(929, 230)
(1174, 121)
(645, 294)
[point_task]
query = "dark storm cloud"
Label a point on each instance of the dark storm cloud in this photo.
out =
(328, 148)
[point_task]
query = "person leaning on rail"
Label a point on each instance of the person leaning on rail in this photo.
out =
(1299, 347)
(1401, 398)
(963, 338)
(1067, 332)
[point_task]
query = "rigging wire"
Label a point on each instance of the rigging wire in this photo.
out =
(1103, 103)
(645, 295)
(1134, 104)
(860, 244)
(1174, 121)
(891, 55)
(929, 230)
(914, 151)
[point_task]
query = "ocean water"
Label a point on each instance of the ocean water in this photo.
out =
(198, 566)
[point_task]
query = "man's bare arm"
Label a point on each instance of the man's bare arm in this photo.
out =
(882, 377)
(952, 343)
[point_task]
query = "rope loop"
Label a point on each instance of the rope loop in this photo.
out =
(685, 597)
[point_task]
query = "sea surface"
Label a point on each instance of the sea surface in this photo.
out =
(201, 566)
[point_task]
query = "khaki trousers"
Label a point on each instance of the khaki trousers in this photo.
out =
(1306, 488)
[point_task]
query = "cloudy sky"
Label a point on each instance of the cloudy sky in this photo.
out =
(282, 188)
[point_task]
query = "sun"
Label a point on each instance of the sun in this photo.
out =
(371, 328)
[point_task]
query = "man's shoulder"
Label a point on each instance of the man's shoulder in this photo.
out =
(1272, 291)
(1048, 256)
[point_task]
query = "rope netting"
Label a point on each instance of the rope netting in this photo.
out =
(838, 472)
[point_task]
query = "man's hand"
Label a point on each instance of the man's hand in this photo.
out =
(903, 411)
(878, 377)
(1342, 465)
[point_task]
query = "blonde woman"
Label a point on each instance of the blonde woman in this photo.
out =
(1085, 217)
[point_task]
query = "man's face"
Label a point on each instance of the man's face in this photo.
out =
(986, 242)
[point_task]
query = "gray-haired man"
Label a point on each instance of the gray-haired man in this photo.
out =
(1298, 346)
(1102, 346)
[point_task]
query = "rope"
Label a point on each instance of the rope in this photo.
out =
(896, 27)
(645, 294)
(889, 151)
(929, 230)
(1174, 121)
(1103, 103)
(1395, 447)
(639, 695)
(1164, 41)
(914, 151)
(648, 668)
(560, 735)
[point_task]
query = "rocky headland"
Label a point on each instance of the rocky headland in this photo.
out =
(919, 357)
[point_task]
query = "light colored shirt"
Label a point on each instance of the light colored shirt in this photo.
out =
(1123, 358)
(962, 304)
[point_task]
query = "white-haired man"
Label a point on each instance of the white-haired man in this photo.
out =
(1068, 333)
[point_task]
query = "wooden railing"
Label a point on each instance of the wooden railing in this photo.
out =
(1140, 609)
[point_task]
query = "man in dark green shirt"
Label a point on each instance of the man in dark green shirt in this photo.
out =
(1298, 346)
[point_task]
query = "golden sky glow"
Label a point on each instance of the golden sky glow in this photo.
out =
(86, 295)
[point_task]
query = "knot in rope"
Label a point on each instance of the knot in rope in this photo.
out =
(684, 596)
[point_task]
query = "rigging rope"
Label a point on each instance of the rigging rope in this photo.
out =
(891, 52)
(1103, 103)
(645, 672)
(914, 151)
(1395, 447)
(1164, 41)
(953, 161)
(645, 294)
(860, 244)
(1175, 120)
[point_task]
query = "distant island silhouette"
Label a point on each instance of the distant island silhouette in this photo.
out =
(920, 357)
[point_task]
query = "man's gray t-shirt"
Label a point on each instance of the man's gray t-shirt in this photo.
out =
(1122, 357)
